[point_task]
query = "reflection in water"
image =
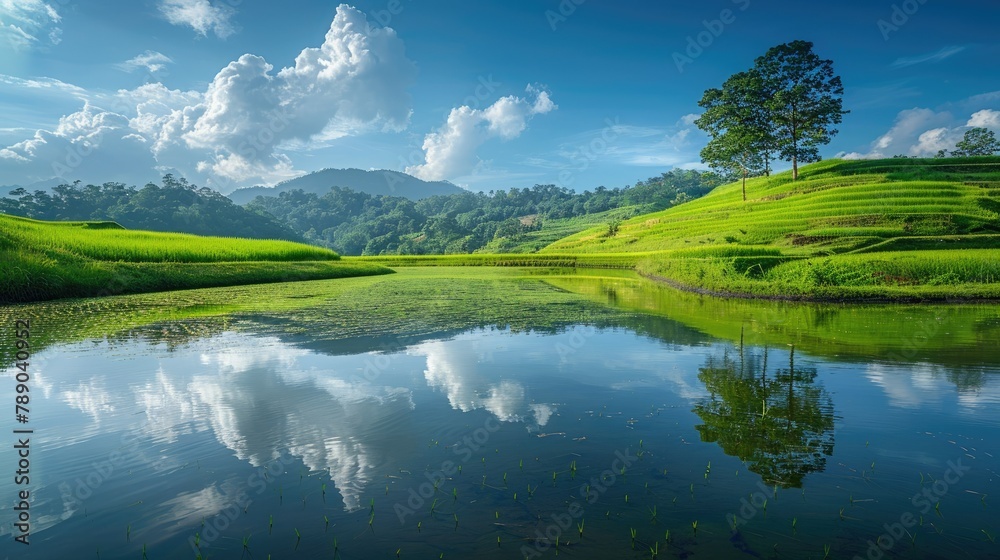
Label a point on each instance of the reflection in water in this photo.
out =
(781, 424)
(917, 385)
(455, 369)
(196, 409)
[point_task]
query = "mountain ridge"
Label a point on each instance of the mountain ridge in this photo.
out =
(375, 182)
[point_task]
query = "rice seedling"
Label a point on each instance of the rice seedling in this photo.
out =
(989, 535)
(826, 551)
(633, 533)
(694, 527)
(579, 527)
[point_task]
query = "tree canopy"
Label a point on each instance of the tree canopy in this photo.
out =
(977, 142)
(785, 107)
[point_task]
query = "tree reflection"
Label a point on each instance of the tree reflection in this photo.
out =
(779, 423)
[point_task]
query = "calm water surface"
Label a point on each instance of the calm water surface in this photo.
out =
(651, 431)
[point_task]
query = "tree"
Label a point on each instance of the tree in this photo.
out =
(977, 142)
(737, 119)
(804, 100)
(780, 425)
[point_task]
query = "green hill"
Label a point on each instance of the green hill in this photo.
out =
(899, 228)
(48, 260)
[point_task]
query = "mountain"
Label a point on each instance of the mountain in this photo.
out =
(46, 185)
(391, 183)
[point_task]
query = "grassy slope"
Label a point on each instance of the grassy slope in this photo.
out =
(915, 229)
(556, 229)
(49, 260)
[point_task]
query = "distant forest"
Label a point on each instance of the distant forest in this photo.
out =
(350, 222)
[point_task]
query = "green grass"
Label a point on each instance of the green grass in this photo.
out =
(933, 223)
(50, 260)
(107, 241)
(555, 229)
(611, 260)
(832, 199)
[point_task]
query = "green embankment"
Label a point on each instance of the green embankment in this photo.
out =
(553, 230)
(900, 229)
(50, 260)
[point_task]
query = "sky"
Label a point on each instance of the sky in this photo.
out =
(488, 95)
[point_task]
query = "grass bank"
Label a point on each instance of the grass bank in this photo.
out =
(893, 230)
(50, 260)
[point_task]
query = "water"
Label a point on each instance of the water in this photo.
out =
(493, 439)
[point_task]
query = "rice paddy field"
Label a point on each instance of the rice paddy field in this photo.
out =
(49, 260)
(892, 229)
(503, 412)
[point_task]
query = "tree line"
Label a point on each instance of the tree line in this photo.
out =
(351, 222)
(354, 223)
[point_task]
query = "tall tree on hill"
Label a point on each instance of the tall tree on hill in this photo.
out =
(977, 142)
(806, 100)
(738, 121)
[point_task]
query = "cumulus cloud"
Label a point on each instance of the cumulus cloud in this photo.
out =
(200, 15)
(29, 23)
(987, 118)
(234, 132)
(450, 152)
(923, 132)
(90, 142)
(152, 61)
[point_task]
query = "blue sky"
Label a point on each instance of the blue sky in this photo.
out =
(490, 94)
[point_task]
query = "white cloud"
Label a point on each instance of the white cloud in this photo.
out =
(234, 132)
(923, 132)
(88, 143)
(933, 141)
(26, 23)
(987, 118)
(200, 15)
(936, 56)
(904, 136)
(450, 152)
(152, 61)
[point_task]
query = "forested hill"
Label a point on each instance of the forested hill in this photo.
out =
(354, 223)
(175, 206)
(388, 183)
